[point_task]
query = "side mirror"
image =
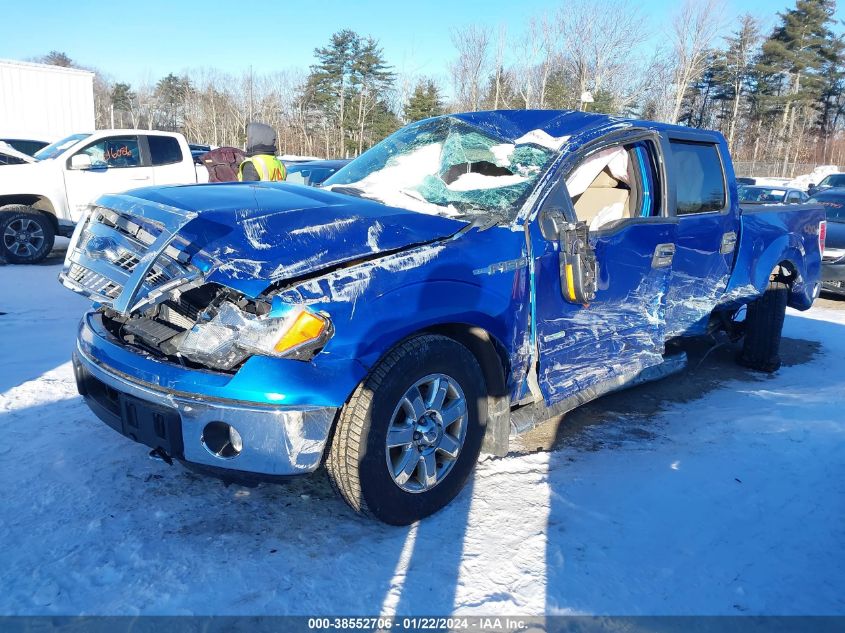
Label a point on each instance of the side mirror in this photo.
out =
(578, 268)
(812, 185)
(552, 222)
(80, 161)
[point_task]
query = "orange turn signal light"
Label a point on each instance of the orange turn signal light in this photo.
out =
(306, 327)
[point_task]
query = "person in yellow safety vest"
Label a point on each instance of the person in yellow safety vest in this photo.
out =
(261, 162)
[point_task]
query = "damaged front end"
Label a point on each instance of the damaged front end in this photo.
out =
(191, 368)
(150, 288)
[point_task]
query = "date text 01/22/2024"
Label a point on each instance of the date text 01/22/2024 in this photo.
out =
(418, 624)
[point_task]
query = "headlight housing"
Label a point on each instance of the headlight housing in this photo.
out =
(232, 335)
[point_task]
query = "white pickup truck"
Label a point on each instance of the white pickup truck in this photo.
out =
(45, 198)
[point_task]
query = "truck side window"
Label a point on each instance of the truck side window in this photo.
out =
(614, 184)
(115, 151)
(699, 178)
(11, 160)
(164, 150)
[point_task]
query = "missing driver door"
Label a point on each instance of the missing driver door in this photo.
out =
(618, 189)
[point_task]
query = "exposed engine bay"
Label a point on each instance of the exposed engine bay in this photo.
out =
(214, 327)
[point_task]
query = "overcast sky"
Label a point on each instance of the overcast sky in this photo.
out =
(138, 42)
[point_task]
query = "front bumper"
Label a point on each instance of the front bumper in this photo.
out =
(65, 228)
(278, 440)
(833, 276)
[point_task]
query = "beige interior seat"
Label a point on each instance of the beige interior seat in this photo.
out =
(607, 194)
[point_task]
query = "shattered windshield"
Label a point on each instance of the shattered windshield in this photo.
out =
(447, 167)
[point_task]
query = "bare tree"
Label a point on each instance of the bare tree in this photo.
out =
(499, 62)
(470, 68)
(693, 31)
(537, 57)
(599, 43)
(738, 63)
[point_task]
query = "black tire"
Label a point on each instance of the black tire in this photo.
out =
(26, 235)
(763, 327)
(357, 459)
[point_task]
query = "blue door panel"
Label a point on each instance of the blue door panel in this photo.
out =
(700, 273)
(623, 330)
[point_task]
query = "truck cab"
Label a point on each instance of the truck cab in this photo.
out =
(460, 282)
(45, 198)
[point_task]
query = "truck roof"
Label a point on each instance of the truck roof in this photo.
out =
(515, 124)
(133, 131)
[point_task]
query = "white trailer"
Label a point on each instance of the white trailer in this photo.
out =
(44, 102)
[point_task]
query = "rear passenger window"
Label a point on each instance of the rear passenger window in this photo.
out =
(699, 178)
(164, 150)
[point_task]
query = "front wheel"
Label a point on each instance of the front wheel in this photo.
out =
(26, 235)
(411, 433)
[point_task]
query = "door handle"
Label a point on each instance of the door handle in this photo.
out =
(728, 243)
(663, 255)
(139, 178)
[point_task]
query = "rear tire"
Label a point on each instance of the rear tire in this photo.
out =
(26, 235)
(763, 328)
(393, 483)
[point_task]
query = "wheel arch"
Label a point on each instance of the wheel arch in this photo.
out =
(36, 201)
(493, 359)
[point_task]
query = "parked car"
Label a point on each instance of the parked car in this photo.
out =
(27, 146)
(45, 198)
(772, 181)
(10, 156)
(463, 280)
(198, 151)
(833, 262)
(828, 182)
(314, 172)
(768, 195)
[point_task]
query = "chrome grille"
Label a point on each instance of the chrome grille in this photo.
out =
(127, 259)
(96, 283)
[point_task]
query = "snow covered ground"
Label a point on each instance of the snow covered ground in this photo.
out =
(731, 503)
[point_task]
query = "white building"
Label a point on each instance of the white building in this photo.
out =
(43, 102)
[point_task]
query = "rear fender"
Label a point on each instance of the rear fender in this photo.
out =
(754, 268)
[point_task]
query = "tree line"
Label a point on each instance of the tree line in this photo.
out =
(777, 94)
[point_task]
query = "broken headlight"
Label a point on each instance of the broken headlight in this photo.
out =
(232, 335)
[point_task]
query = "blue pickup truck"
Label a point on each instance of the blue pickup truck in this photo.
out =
(463, 280)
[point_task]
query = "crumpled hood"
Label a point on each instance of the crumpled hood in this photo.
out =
(253, 235)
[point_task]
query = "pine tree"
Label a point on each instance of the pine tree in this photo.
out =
(697, 106)
(371, 79)
(425, 102)
(57, 58)
(171, 93)
(330, 80)
(500, 94)
(122, 99)
(345, 86)
(790, 68)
